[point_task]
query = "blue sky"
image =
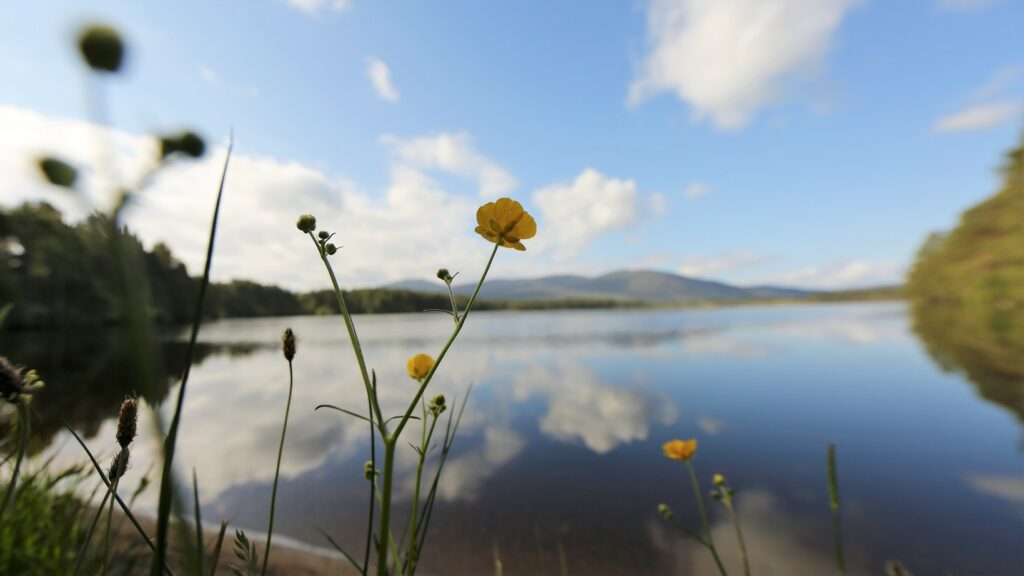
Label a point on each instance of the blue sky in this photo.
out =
(803, 142)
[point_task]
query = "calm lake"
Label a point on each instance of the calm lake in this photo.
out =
(559, 454)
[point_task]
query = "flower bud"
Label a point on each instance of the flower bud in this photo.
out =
(718, 479)
(331, 249)
(368, 470)
(102, 48)
(665, 511)
(437, 405)
(127, 422)
(324, 235)
(119, 466)
(58, 172)
(443, 275)
(288, 344)
(187, 143)
(306, 223)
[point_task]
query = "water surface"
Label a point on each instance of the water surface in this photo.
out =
(559, 451)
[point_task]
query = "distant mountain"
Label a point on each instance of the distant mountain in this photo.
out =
(634, 285)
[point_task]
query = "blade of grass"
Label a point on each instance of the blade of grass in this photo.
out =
(342, 551)
(199, 522)
(373, 481)
(833, 500)
(217, 547)
(106, 483)
(349, 412)
(167, 488)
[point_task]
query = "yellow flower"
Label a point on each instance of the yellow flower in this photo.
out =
(718, 479)
(419, 365)
(682, 450)
(507, 220)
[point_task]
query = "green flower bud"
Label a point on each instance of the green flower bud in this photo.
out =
(187, 143)
(306, 223)
(665, 511)
(102, 48)
(368, 470)
(330, 249)
(324, 235)
(443, 275)
(437, 405)
(58, 172)
(288, 344)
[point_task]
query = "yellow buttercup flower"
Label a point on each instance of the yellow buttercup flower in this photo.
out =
(419, 365)
(682, 450)
(718, 479)
(505, 219)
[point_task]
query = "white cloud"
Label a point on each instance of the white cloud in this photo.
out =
(314, 6)
(257, 238)
(582, 407)
(980, 117)
(728, 58)
(380, 77)
(700, 266)
(453, 153)
(590, 205)
(1000, 80)
(846, 275)
(696, 190)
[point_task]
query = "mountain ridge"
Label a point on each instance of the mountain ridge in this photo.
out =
(625, 285)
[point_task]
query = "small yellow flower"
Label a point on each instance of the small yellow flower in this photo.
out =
(718, 479)
(419, 365)
(507, 220)
(682, 450)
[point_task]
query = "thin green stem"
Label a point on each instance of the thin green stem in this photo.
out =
(410, 555)
(704, 517)
(739, 538)
(92, 528)
(833, 498)
(455, 307)
(277, 470)
(23, 429)
(447, 345)
(351, 327)
(106, 536)
(385, 506)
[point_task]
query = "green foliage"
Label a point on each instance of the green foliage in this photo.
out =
(967, 290)
(246, 552)
(45, 525)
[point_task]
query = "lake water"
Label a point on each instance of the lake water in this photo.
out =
(559, 454)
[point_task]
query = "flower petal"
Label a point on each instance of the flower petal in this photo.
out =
(526, 228)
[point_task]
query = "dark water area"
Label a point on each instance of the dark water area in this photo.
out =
(559, 454)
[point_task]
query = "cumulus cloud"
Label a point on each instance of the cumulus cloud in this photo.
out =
(315, 6)
(453, 153)
(980, 117)
(380, 77)
(582, 407)
(590, 205)
(696, 190)
(728, 58)
(852, 274)
(701, 266)
(257, 238)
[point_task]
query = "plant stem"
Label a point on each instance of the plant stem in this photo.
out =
(704, 517)
(277, 470)
(739, 538)
(447, 345)
(833, 498)
(411, 554)
(351, 327)
(23, 429)
(385, 506)
(110, 519)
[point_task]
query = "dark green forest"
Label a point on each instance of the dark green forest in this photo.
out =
(59, 274)
(967, 292)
